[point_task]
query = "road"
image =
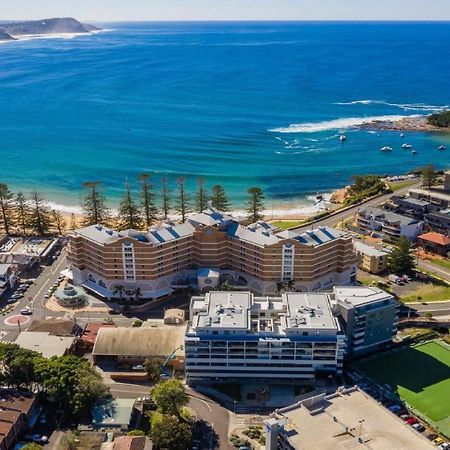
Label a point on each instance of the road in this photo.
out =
(436, 308)
(441, 272)
(342, 216)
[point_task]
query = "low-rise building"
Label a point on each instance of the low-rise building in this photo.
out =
(388, 224)
(409, 206)
(438, 198)
(435, 243)
(371, 259)
(369, 317)
(235, 335)
(125, 345)
(114, 414)
(45, 343)
(348, 418)
(438, 221)
(18, 413)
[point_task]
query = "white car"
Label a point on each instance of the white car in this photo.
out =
(444, 446)
(26, 312)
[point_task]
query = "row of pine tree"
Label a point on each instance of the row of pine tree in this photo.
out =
(138, 209)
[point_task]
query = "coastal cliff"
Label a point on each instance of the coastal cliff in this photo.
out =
(66, 25)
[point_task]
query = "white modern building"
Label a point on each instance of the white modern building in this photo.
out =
(235, 335)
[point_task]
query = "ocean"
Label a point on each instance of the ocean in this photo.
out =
(240, 104)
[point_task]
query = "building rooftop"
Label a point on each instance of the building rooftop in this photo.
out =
(91, 330)
(209, 217)
(16, 401)
(359, 296)
(157, 340)
(45, 343)
(240, 311)
(318, 236)
(337, 421)
(439, 194)
(369, 250)
(309, 311)
(436, 238)
(411, 201)
(386, 216)
(112, 413)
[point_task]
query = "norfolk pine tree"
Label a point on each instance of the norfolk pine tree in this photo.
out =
(201, 197)
(400, 260)
(22, 213)
(255, 205)
(94, 206)
(219, 199)
(40, 218)
(149, 209)
(129, 216)
(182, 201)
(6, 208)
(165, 198)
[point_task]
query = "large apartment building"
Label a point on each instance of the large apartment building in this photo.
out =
(235, 335)
(168, 256)
(295, 337)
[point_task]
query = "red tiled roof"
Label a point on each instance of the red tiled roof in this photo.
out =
(129, 443)
(16, 401)
(436, 238)
(91, 331)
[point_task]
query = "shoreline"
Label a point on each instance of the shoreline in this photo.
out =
(411, 123)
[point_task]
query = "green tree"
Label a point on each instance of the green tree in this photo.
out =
(153, 367)
(32, 446)
(170, 397)
(135, 433)
(6, 208)
(94, 206)
(17, 365)
(428, 175)
(170, 433)
(40, 218)
(441, 119)
(400, 260)
(73, 222)
(129, 216)
(201, 196)
(165, 195)
(22, 213)
(255, 205)
(59, 221)
(219, 199)
(150, 211)
(182, 201)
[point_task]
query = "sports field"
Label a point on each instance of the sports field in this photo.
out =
(420, 375)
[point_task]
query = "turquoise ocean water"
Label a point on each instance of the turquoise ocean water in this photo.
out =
(239, 104)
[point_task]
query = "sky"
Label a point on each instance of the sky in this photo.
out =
(116, 10)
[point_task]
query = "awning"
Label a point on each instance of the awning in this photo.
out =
(91, 286)
(67, 273)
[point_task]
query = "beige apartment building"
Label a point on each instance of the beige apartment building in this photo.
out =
(371, 259)
(214, 248)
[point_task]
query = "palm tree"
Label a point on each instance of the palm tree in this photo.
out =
(280, 287)
(119, 289)
(137, 293)
(290, 285)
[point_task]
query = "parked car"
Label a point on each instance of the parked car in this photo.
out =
(26, 312)
(36, 438)
(12, 300)
(438, 441)
(17, 296)
(411, 421)
(395, 408)
(418, 427)
(444, 446)
(47, 295)
(113, 311)
(406, 278)
(138, 367)
(404, 416)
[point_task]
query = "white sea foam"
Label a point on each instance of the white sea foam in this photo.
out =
(336, 124)
(33, 37)
(404, 106)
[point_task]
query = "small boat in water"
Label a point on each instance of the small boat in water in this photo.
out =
(342, 137)
(442, 147)
(406, 146)
(414, 152)
(386, 149)
(402, 135)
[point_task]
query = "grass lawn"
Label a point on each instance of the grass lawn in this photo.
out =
(401, 184)
(445, 263)
(285, 224)
(428, 293)
(421, 377)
